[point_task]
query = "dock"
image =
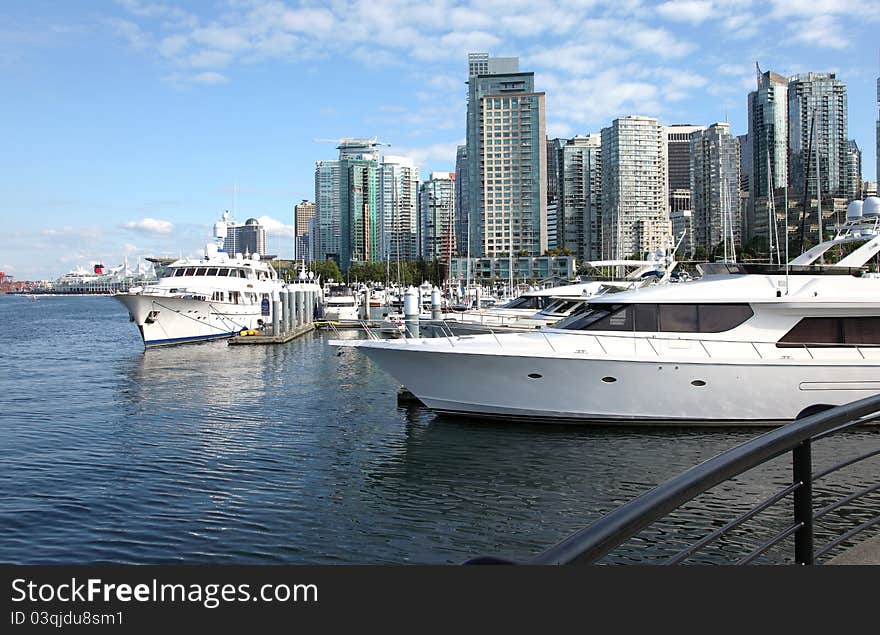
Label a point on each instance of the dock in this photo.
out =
(263, 338)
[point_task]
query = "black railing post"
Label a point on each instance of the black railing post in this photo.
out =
(802, 468)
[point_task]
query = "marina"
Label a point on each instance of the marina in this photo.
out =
(300, 453)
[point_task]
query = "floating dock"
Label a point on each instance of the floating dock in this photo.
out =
(263, 338)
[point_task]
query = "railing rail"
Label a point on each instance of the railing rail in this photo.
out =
(592, 543)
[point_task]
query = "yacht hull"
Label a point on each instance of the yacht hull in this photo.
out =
(623, 391)
(164, 321)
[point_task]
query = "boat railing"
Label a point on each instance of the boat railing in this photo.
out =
(795, 540)
(652, 344)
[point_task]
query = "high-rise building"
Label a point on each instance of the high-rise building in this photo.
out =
(247, 239)
(853, 171)
(358, 201)
(482, 64)
(817, 124)
(877, 173)
(745, 161)
(398, 208)
(715, 176)
(554, 188)
(635, 208)
(580, 208)
(678, 159)
(506, 160)
(461, 201)
(302, 214)
(437, 214)
(328, 211)
(768, 138)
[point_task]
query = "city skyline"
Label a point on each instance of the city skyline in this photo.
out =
(133, 124)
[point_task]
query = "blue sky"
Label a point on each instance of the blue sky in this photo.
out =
(128, 124)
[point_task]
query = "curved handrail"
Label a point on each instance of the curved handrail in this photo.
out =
(592, 543)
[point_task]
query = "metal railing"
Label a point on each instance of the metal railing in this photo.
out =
(750, 349)
(592, 543)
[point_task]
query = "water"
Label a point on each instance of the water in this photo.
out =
(299, 454)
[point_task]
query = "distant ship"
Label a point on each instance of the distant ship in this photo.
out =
(98, 281)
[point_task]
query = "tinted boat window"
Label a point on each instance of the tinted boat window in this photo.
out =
(679, 318)
(646, 317)
(212, 271)
(861, 330)
(200, 271)
(854, 331)
(716, 318)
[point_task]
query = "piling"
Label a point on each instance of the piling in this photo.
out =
(291, 322)
(411, 311)
(276, 313)
(435, 304)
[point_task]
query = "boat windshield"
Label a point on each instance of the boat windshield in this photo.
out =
(658, 318)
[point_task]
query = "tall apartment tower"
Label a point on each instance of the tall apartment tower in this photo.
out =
(817, 124)
(877, 173)
(398, 208)
(635, 210)
(715, 176)
(580, 190)
(506, 159)
(302, 214)
(328, 211)
(554, 192)
(461, 201)
(678, 161)
(854, 182)
(437, 215)
(768, 137)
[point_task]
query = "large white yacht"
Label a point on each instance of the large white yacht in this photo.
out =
(538, 308)
(741, 345)
(204, 298)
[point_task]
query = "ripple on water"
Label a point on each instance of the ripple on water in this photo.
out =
(292, 454)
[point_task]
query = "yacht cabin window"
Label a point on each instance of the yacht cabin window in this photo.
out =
(833, 331)
(659, 318)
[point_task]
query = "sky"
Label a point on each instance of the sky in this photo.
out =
(129, 126)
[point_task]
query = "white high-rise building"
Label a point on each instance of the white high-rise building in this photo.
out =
(507, 159)
(580, 191)
(398, 208)
(715, 189)
(635, 210)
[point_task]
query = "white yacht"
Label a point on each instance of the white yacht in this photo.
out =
(743, 344)
(538, 308)
(204, 298)
(341, 303)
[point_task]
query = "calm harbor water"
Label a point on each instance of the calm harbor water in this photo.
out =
(300, 454)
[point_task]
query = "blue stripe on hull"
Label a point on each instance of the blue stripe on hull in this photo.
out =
(184, 340)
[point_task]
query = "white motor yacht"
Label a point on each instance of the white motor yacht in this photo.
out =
(743, 344)
(538, 308)
(341, 304)
(204, 298)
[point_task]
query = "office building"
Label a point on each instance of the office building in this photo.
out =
(461, 201)
(247, 239)
(302, 214)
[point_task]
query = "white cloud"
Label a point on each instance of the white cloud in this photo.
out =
(275, 228)
(693, 11)
(150, 226)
